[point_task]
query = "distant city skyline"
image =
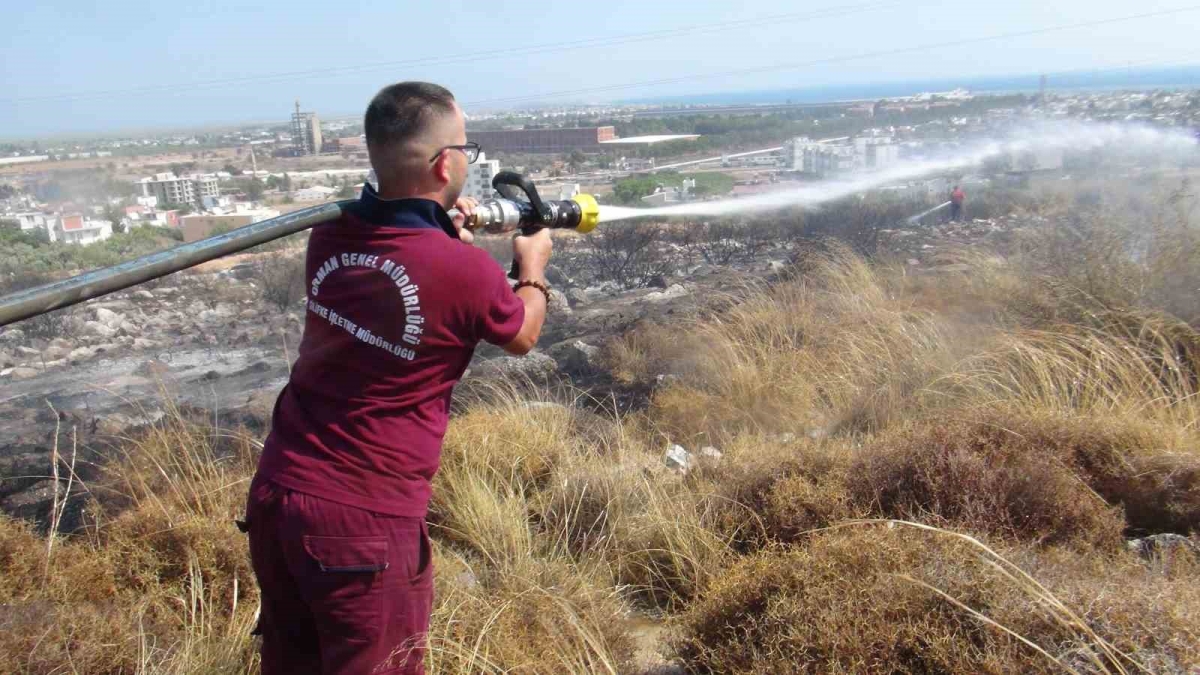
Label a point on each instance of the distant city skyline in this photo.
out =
(134, 65)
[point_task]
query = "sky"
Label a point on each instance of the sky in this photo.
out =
(73, 67)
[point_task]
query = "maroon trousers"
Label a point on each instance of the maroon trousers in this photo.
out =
(344, 591)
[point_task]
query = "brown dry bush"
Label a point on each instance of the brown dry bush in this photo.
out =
(982, 477)
(853, 600)
(1048, 479)
(768, 491)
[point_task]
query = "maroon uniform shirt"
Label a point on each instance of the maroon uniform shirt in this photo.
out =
(396, 305)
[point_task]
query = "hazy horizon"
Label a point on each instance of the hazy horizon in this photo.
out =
(247, 63)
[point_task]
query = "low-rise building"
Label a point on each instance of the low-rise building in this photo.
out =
(75, 229)
(202, 226)
(316, 193)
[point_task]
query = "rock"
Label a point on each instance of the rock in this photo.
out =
(53, 353)
(60, 343)
(606, 288)
(243, 271)
(777, 266)
(248, 314)
(710, 453)
(1158, 546)
(12, 335)
(108, 317)
(556, 277)
(26, 351)
(672, 292)
(658, 281)
(558, 303)
(677, 458)
(534, 365)
(99, 329)
(142, 343)
(260, 405)
(166, 291)
(22, 373)
(33, 503)
(81, 353)
(143, 294)
(577, 296)
(574, 355)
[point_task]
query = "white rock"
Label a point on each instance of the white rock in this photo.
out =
(166, 291)
(710, 453)
(143, 294)
(677, 458)
(99, 329)
(108, 317)
(558, 303)
(573, 355)
(12, 335)
(28, 351)
(143, 343)
(672, 291)
(22, 373)
(81, 353)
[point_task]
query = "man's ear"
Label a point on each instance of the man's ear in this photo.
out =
(441, 168)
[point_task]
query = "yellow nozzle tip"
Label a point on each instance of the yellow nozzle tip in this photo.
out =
(590, 211)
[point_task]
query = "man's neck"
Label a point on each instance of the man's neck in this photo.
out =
(391, 192)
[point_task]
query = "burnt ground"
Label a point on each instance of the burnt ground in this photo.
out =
(210, 345)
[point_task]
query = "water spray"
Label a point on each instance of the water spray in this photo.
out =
(939, 207)
(520, 207)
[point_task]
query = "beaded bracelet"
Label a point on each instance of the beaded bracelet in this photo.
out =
(541, 286)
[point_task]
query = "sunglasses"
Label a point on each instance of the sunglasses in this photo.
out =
(471, 150)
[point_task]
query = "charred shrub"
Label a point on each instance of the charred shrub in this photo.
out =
(281, 279)
(727, 242)
(47, 326)
(632, 255)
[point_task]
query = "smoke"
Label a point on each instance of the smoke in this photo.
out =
(1125, 139)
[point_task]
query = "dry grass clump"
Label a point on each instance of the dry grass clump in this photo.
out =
(535, 616)
(872, 599)
(833, 350)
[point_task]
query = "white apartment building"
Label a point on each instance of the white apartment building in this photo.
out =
(171, 189)
(479, 177)
(75, 229)
(34, 220)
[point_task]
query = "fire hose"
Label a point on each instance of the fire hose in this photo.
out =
(518, 207)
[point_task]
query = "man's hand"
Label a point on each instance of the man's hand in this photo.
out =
(466, 208)
(532, 254)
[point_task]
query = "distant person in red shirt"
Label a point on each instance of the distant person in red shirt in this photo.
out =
(397, 302)
(957, 196)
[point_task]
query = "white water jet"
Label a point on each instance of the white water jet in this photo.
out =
(1074, 136)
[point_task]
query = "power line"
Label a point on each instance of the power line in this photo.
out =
(834, 59)
(546, 48)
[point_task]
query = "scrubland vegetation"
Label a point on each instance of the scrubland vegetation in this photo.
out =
(918, 473)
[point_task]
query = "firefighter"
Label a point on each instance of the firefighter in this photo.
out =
(957, 196)
(396, 303)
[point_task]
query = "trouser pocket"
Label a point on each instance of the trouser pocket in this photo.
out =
(344, 586)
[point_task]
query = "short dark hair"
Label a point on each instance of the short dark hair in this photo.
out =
(402, 111)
